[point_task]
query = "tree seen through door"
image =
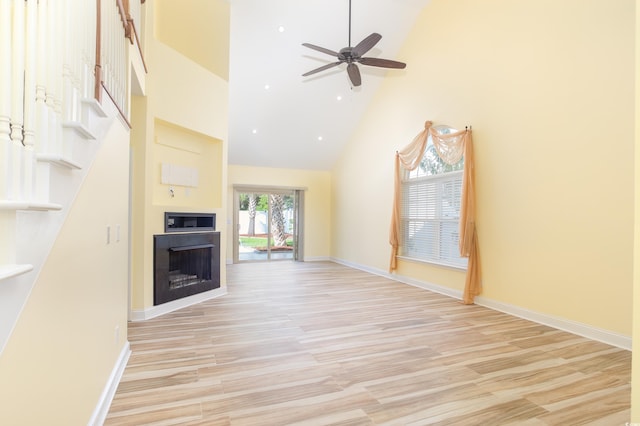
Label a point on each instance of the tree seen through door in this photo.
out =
(265, 226)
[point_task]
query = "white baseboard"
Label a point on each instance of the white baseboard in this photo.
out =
(165, 308)
(102, 408)
(318, 259)
(584, 330)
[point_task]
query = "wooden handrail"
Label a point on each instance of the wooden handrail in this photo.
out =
(137, 40)
(122, 114)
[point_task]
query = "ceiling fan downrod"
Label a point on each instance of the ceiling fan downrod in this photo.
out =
(349, 24)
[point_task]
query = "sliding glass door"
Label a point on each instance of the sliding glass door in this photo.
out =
(266, 224)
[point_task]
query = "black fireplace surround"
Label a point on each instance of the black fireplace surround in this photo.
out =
(185, 264)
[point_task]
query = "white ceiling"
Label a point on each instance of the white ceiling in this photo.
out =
(289, 117)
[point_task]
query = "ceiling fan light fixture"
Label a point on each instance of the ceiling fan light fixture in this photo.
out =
(353, 55)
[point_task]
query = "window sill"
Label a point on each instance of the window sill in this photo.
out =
(432, 263)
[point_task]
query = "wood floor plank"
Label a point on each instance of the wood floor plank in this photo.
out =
(322, 344)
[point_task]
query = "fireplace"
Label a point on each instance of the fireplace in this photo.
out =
(185, 264)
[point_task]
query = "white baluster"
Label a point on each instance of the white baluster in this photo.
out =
(67, 93)
(106, 43)
(17, 72)
(42, 110)
(5, 98)
(17, 100)
(91, 48)
(51, 72)
(30, 98)
(44, 138)
(124, 43)
(64, 144)
(88, 52)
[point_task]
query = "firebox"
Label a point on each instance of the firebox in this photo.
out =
(185, 264)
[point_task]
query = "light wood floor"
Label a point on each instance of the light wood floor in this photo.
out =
(322, 344)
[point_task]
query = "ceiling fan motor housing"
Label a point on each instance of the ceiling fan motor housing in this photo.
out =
(346, 54)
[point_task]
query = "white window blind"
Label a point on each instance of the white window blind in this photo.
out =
(431, 213)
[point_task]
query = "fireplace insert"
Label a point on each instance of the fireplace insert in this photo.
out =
(185, 264)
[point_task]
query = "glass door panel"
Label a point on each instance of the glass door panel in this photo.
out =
(266, 225)
(281, 241)
(253, 226)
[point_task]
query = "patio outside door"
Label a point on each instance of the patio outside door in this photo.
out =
(266, 225)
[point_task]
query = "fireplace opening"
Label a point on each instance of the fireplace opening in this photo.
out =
(190, 265)
(185, 264)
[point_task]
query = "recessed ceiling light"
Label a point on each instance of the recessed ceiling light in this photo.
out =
(254, 131)
(281, 29)
(266, 87)
(339, 97)
(319, 138)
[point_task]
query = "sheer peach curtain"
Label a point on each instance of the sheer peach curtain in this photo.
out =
(450, 148)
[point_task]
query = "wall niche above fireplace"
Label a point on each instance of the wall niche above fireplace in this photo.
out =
(189, 222)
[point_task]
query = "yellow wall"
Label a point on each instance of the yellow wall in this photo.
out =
(199, 29)
(181, 147)
(65, 344)
(317, 201)
(183, 122)
(635, 367)
(548, 87)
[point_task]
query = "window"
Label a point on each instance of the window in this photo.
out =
(431, 209)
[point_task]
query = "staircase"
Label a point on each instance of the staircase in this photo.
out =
(52, 124)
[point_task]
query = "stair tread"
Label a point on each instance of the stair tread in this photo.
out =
(28, 205)
(12, 270)
(95, 107)
(13, 205)
(59, 160)
(79, 128)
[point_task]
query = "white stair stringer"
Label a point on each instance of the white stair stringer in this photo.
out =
(36, 231)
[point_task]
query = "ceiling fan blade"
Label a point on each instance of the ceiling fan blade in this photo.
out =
(320, 49)
(365, 45)
(354, 74)
(322, 68)
(383, 63)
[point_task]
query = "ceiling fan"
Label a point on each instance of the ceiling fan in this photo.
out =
(353, 55)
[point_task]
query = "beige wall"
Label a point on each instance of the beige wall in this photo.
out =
(317, 202)
(635, 367)
(548, 87)
(74, 325)
(183, 122)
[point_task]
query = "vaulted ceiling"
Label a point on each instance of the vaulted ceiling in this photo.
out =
(277, 118)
